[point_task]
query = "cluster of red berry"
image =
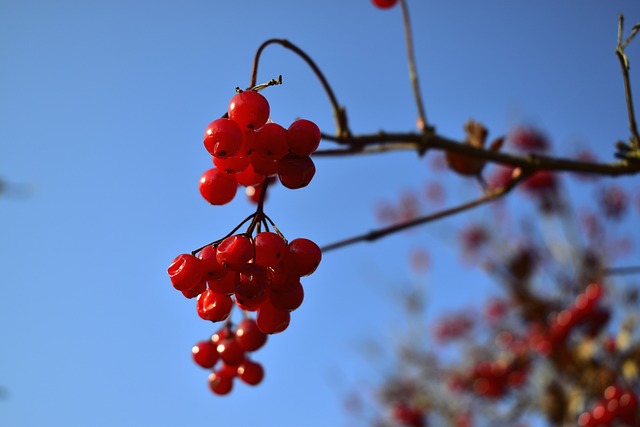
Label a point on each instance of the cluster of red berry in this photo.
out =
(225, 354)
(257, 270)
(583, 312)
(246, 149)
(493, 379)
(619, 404)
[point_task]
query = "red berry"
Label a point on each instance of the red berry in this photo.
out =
(217, 187)
(305, 256)
(194, 292)
(289, 300)
(230, 351)
(225, 284)
(271, 320)
(529, 139)
(249, 177)
(185, 272)
(303, 137)
(384, 4)
(205, 354)
(270, 248)
(232, 165)
(235, 252)
(212, 268)
(249, 337)
(263, 166)
(271, 142)
(251, 372)
(223, 138)
(213, 306)
(295, 171)
(220, 382)
(249, 109)
(252, 281)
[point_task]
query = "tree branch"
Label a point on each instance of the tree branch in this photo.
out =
(489, 196)
(382, 142)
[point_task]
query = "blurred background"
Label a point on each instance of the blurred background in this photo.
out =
(102, 109)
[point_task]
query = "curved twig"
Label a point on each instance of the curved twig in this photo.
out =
(338, 111)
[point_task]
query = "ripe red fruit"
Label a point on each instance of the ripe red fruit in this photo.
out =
(271, 320)
(270, 248)
(251, 372)
(225, 284)
(217, 187)
(305, 256)
(230, 351)
(194, 292)
(223, 138)
(249, 177)
(249, 337)
(295, 171)
(213, 306)
(271, 142)
(289, 300)
(263, 166)
(205, 354)
(185, 272)
(232, 165)
(384, 4)
(303, 137)
(212, 268)
(252, 281)
(249, 109)
(235, 252)
(220, 382)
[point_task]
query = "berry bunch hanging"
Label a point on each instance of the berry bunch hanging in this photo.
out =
(246, 147)
(257, 270)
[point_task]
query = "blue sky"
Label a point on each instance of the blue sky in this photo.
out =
(102, 109)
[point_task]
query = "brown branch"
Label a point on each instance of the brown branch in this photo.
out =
(339, 112)
(624, 65)
(382, 232)
(619, 271)
(382, 142)
(413, 73)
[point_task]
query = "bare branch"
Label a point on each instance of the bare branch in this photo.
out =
(382, 142)
(413, 73)
(624, 65)
(382, 232)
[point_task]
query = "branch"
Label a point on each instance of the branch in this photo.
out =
(413, 73)
(619, 271)
(339, 112)
(382, 232)
(624, 65)
(382, 142)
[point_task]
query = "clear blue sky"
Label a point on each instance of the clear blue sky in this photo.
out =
(102, 109)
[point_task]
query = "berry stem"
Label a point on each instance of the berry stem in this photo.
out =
(339, 112)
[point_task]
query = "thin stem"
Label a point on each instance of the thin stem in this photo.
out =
(413, 73)
(215, 242)
(619, 271)
(338, 111)
(382, 232)
(624, 65)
